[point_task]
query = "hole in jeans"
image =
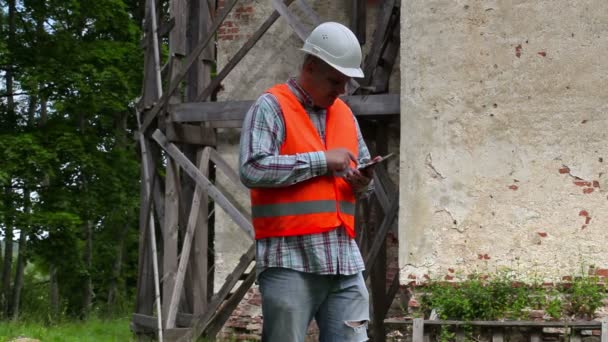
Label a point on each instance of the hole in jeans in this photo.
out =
(358, 326)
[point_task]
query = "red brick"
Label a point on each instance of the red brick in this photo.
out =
(564, 170)
(567, 278)
(411, 276)
(486, 257)
(596, 184)
(542, 234)
(583, 213)
(513, 187)
(582, 183)
(587, 219)
(479, 256)
(448, 277)
(602, 272)
(451, 270)
(542, 53)
(228, 23)
(588, 190)
(583, 227)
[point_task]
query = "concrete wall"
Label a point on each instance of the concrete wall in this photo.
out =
(274, 59)
(504, 135)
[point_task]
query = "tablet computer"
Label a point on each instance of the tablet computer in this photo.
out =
(374, 162)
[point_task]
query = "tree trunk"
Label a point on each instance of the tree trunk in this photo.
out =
(87, 300)
(10, 109)
(117, 268)
(18, 285)
(8, 255)
(54, 292)
(121, 138)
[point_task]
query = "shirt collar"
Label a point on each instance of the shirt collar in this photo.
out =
(300, 93)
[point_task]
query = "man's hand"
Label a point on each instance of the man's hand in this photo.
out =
(357, 180)
(338, 159)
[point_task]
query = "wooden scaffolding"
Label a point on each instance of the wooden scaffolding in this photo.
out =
(178, 117)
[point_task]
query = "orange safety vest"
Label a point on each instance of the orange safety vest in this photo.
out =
(318, 204)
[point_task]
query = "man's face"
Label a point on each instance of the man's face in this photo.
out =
(328, 84)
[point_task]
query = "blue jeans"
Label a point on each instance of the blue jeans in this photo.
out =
(291, 299)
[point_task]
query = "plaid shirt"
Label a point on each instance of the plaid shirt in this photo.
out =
(261, 165)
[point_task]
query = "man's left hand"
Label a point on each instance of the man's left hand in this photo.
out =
(358, 180)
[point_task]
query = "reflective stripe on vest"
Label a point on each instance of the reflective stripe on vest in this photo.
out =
(301, 208)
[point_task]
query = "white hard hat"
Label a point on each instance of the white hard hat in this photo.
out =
(337, 46)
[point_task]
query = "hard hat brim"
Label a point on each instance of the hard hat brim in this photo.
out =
(350, 72)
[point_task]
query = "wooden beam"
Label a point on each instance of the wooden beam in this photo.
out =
(358, 19)
(582, 325)
(203, 181)
(239, 55)
(192, 57)
(418, 330)
(199, 324)
(186, 247)
(149, 322)
(170, 234)
(361, 105)
(300, 29)
(223, 314)
(382, 24)
(380, 235)
(190, 134)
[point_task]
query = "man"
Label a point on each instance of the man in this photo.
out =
(300, 145)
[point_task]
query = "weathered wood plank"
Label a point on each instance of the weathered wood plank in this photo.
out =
(380, 236)
(358, 19)
(382, 73)
(170, 233)
(239, 55)
(418, 330)
(224, 313)
(391, 293)
(305, 7)
(361, 105)
(393, 322)
(215, 157)
(148, 322)
(535, 336)
(192, 57)
(186, 247)
(203, 181)
(177, 36)
(604, 337)
(200, 262)
(371, 60)
(498, 335)
(300, 29)
(200, 323)
(190, 134)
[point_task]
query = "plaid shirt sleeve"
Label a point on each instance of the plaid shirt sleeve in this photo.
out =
(262, 135)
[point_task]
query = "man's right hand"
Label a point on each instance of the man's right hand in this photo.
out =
(338, 159)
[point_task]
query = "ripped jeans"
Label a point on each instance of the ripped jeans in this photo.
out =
(291, 299)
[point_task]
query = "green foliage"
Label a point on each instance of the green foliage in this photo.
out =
(92, 330)
(76, 69)
(585, 296)
(505, 297)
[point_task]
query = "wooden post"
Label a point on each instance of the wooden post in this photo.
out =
(418, 330)
(170, 233)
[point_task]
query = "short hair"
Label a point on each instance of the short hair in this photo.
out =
(308, 58)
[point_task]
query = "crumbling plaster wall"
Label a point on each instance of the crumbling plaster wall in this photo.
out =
(274, 59)
(504, 137)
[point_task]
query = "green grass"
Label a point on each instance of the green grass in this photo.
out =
(93, 330)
